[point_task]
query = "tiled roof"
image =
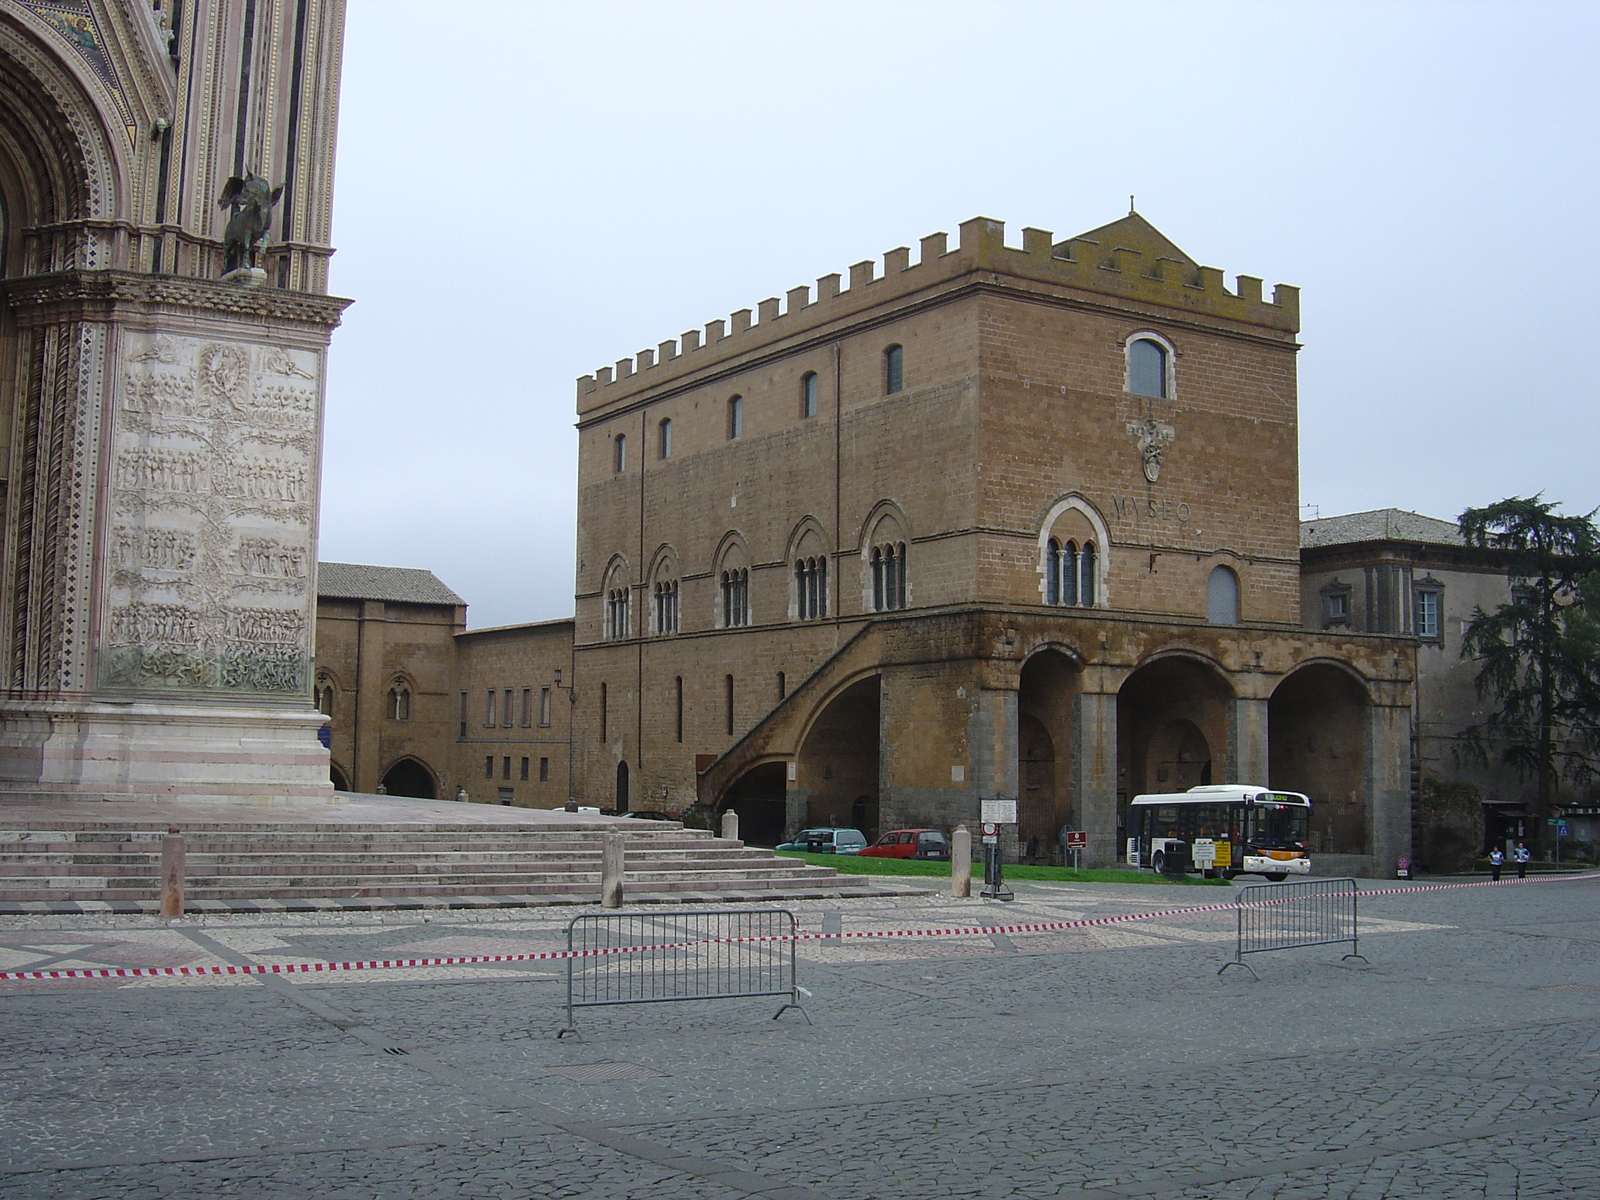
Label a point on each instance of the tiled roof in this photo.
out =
(396, 585)
(1379, 525)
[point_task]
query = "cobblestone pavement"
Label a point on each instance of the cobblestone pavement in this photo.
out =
(1463, 1062)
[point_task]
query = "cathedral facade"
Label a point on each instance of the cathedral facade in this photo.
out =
(1006, 521)
(161, 390)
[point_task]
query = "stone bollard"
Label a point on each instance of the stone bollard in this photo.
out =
(961, 862)
(172, 872)
(611, 860)
(730, 825)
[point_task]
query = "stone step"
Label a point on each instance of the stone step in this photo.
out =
(590, 886)
(405, 852)
(32, 830)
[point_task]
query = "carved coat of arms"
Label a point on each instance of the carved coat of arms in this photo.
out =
(1154, 438)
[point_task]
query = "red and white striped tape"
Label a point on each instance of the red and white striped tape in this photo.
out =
(560, 955)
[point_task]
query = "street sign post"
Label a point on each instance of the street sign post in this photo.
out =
(995, 813)
(1402, 867)
(1077, 841)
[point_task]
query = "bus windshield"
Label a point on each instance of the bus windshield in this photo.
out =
(1278, 826)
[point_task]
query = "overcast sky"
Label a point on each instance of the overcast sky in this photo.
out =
(527, 191)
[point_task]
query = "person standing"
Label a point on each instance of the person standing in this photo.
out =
(1520, 856)
(1497, 859)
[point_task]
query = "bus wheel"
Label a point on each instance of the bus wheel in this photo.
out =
(1159, 862)
(1276, 876)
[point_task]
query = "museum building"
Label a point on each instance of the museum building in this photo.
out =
(1005, 521)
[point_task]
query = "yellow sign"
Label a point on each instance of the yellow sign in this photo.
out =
(1224, 854)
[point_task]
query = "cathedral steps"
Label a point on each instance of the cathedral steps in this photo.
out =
(99, 861)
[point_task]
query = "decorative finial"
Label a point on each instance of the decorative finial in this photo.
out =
(1130, 204)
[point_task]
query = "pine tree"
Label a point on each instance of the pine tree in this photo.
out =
(1539, 655)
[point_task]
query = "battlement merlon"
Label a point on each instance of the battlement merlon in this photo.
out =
(1128, 259)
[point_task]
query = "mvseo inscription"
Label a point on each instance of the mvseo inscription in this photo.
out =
(1148, 508)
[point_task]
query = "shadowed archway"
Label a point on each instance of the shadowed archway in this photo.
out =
(408, 777)
(1317, 744)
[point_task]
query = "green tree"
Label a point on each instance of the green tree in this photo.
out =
(1537, 656)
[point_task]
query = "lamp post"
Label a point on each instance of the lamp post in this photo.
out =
(572, 699)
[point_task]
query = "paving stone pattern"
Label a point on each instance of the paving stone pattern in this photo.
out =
(1464, 1062)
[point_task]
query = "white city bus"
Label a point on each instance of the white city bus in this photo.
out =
(1222, 829)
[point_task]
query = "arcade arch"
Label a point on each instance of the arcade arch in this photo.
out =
(1317, 744)
(838, 768)
(1172, 728)
(1046, 800)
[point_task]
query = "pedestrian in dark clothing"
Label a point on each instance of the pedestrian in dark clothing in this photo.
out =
(1497, 859)
(1520, 856)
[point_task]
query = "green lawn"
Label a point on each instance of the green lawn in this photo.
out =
(850, 864)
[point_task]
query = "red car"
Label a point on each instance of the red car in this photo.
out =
(910, 843)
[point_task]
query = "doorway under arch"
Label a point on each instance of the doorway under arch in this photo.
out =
(1317, 744)
(1172, 729)
(408, 777)
(340, 782)
(838, 768)
(622, 787)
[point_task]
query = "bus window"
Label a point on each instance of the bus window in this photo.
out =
(1278, 826)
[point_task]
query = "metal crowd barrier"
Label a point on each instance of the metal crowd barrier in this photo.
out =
(1287, 916)
(648, 958)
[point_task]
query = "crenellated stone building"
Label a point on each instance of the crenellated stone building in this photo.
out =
(160, 424)
(1006, 521)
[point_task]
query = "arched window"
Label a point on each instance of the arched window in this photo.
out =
(618, 625)
(735, 417)
(893, 370)
(736, 596)
(889, 576)
(619, 453)
(399, 701)
(1147, 368)
(1222, 597)
(664, 438)
(1069, 574)
(622, 787)
(811, 588)
(808, 394)
(322, 695)
(666, 596)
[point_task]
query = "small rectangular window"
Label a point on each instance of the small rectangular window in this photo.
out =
(544, 770)
(1428, 623)
(488, 708)
(678, 686)
(808, 394)
(527, 708)
(619, 453)
(505, 772)
(602, 712)
(894, 359)
(488, 766)
(728, 697)
(524, 770)
(735, 417)
(507, 795)
(665, 444)
(461, 715)
(544, 706)
(507, 711)
(782, 686)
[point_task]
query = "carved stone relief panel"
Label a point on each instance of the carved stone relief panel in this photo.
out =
(211, 514)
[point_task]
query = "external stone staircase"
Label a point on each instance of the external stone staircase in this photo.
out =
(231, 864)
